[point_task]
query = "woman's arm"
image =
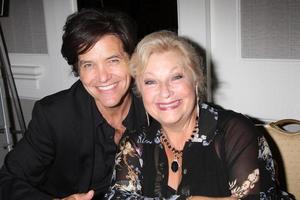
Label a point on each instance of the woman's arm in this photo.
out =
(210, 198)
(248, 159)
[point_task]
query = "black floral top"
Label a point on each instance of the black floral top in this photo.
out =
(227, 157)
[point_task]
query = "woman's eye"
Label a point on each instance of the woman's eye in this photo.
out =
(178, 76)
(149, 82)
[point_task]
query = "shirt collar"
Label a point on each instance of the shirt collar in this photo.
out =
(99, 120)
(130, 122)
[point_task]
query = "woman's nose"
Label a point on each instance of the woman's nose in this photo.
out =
(165, 90)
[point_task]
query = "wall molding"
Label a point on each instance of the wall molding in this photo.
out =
(27, 79)
(28, 72)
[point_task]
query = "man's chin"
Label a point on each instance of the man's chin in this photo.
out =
(113, 101)
(110, 103)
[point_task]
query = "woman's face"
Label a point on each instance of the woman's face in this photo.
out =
(167, 89)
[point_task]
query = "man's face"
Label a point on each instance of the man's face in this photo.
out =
(104, 72)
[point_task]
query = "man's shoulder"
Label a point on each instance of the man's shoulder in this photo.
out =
(69, 101)
(137, 100)
(64, 96)
(139, 113)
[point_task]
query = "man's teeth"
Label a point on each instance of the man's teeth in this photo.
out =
(106, 87)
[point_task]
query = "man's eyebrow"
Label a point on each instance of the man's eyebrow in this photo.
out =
(81, 62)
(120, 54)
(115, 56)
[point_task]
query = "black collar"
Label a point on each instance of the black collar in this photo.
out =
(136, 116)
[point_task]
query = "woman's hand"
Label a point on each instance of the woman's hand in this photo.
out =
(82, 196)
(210, 198)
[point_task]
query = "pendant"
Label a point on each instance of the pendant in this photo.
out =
(174, 166)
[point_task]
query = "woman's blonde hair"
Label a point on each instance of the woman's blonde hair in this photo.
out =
(164, 41)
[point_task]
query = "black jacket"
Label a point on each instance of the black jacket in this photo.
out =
(55, 158)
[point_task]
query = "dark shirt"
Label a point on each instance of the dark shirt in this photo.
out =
(105, 147)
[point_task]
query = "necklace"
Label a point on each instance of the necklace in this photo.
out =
(177, 153)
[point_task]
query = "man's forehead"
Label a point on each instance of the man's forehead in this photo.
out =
(106, 47)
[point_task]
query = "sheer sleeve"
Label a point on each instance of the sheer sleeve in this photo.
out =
(127, 175)
(248, 159)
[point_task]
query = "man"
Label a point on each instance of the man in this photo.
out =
(69, 148)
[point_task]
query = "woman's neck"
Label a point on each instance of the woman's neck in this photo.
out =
(178, 134)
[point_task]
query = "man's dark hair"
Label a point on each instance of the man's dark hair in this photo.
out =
(83, 29)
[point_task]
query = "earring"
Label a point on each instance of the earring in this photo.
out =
(148, 120)
(197, 93)
(198, 110)
(197, 102)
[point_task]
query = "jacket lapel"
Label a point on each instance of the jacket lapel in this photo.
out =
(85, 131)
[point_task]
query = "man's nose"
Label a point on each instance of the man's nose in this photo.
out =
(103, 73)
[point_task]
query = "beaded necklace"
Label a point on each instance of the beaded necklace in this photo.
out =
(177, 153)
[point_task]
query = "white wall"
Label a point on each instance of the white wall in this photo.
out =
(264, 89)
(38, 75)
(193, 23)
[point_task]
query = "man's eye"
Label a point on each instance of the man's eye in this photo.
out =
(87, 65)
(149, 82)
(114, 61)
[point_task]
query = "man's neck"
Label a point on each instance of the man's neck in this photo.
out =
(115, 115)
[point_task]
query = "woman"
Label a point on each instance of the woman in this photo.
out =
(192, 150)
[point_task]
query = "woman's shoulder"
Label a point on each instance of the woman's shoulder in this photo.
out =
(232, 123)
(144, 134)
(233, 120)
(224, 117)
(224, 120)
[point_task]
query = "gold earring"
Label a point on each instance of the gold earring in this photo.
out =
(197, 102)
(197, 93)
(148, 120)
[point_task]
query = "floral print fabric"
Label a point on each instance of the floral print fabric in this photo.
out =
(227, 157)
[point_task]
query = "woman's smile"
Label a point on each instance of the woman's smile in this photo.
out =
(169, 105)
